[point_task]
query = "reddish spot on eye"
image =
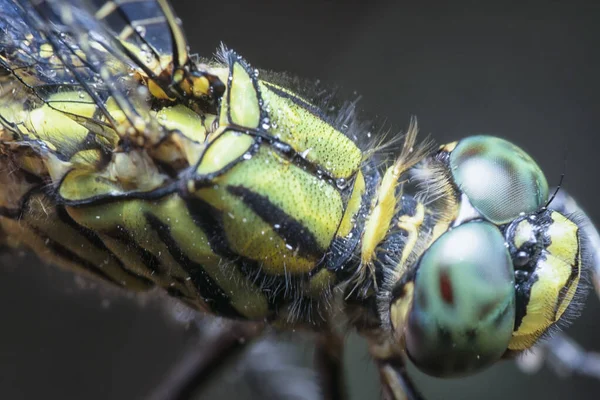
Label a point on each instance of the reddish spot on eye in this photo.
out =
(446, 288)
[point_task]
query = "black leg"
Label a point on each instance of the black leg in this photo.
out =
(329, 363)
(204, 362)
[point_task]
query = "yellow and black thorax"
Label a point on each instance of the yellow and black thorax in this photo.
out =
(231, 192)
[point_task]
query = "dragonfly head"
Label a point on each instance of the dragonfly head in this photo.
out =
(501, 275)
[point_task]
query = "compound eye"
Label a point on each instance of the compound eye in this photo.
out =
(500, 179)
(463, 308)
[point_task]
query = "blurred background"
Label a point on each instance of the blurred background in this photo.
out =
(527, 72)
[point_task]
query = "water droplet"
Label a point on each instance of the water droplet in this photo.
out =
(141, 30)
(341, 183)
(266, 123)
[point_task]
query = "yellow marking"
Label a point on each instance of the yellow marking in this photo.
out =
(449, 147)
(224, 150)
(320, 282)
(176, 31)
(379, 220)
(134, 170)
(564, 236)
(201, 87)
(46, 50)
(250, 236)
(317, 141)
(242, 100)
(190, 143)
(173, 212)
(184, 120)
(41, 216)
(553, 274)
(87, 158)
(57, 168)
(157, 91)
(106, 9)
(439, 229)
(21, 234)
(399, 310)
(49, 124)
(411, 225)
(266, 174)
(353, 206)
(565, 246)
(393, 383)
(523, 233)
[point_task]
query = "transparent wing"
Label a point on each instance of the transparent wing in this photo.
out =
(150, 35)
(60, 55)
(31, 72)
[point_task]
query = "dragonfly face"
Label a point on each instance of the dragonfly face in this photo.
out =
(501, 276)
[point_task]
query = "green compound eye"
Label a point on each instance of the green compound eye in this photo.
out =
(499, 178)
(463, 309)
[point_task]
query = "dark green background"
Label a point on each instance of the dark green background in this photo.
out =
(526, 72)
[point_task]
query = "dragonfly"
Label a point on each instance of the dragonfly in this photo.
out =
(129, 160)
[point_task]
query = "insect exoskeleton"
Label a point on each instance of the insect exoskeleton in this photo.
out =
(125, 158)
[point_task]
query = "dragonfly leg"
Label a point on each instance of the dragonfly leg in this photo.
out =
(395, 381)
(390, 360)
(564, 356)
(329, 364)
(200, 364)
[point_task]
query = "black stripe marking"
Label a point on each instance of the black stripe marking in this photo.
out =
(66, 254)
(155, 194)
(95, 241)
(209, 290)
(290, 230)
(12, 213)
(149, 260)
(283, 149)
(565, 289)
(523, 288)
(209, 219)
